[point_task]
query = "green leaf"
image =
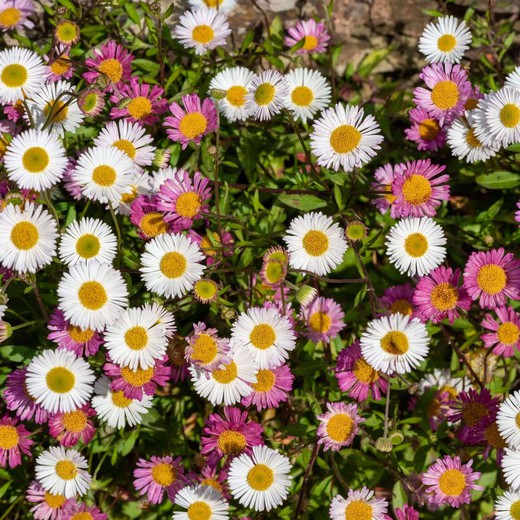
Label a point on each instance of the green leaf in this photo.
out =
(498, 180)
(248, 40)
(132, 13)
(302, 202)
(148, 66)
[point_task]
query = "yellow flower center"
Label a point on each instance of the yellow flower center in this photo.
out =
(173, 265)
(83, 515)
(315, 242)
(207, 246)
(264, 94)
(74, 422)
(58, 109)
(517, 420)
(320, 322)
(515, 510)
(193, 125)
(140, 107)
(231, 442)
(153, 224)
(92, 295)
(416, 245)
(66, 470)
(345, 138)
(302, 96)
(203, 34)
(493, 437)
(212, 3)
(79, 335)
(104, 175)
(24, 235)
(8, 437)
(508, 333)
(395, 342)
(227, 374)
(472, 139)
(89, 102)
(205, 349)
(510, 115)
(364, 372)
(262, 336)
(311, 42)
(473, 412)
(401, 306)
(54, 501)
(9, 17)
(389, 196)
(60, 66)
(136, 338)
(35, 159)
(274, 272)
(340, 427)
(452, 482)
(429, 129)
(188, 204)
(125, 146)
(112, 69)
(444, 296)
(88, 246)
(265, 380)
(358, 510)
(164, 474)
(491, 279)
(206, 289)
(236, 95)
(260, 477)
(211, 482)
(14, 75)
(446, 43)
(128, 198)
(67, 32)
(139, 377)
(416, 190)
(199, 511)
(60, 380)
(445, 95)
(471, 103)
(119, 400)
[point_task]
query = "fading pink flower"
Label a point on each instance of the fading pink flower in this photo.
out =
(210, 241)
(505, 335)
(385, 199)
(14, 14)
(399, 298)
(145, 216)
(205, 349)
(323, 318)
(84, 512)
(210, 476)
(339, 425)
(14, 440)
(406, 513)
(426, 131)
(71, 427)
(315, 35)
(60, 67)
(48, 506)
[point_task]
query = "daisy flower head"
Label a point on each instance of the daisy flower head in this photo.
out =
(382, 187)
(426, 131)
(338, 426)
(223, 6)
(91, 102)
(235, 81)
(117, 410)
(230, 383)
(104, 173)
(261, 480)
(507, 420)
(513, 78)
(29, 238)
(74, 426)
(212, 245)
(445, 40)
(192, 123)
(438, 295)
(399, 298)
(35, 160)
(395, 343)
(449, 481)
(14, 441)
(274, 266)
(308, 93)
(315, 243)
(356, 377)
(92, 295)
(110, 66)
(171, 264)
(144, 215)
(323, 318)
(14, 14)
(416, 246)
(202, 29)
(266, 95)
(360, 504)
(447, 91)
(142, 103)
(406, 513)
(272, 387)
(67, 33)
(201, 502)
(205, 349)
(345, 138)
(49, 506)
(140, 184)
(158, 475)
(491, 277)
(60, 67)
(82, 511)
(314, 33)
(88, 240)
(22, 74)
(504, 337)
(507, 506)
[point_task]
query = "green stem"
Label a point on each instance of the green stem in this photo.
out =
(50, 205)
(118, 232)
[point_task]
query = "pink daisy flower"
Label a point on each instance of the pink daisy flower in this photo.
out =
(399, 298)
(146, 218)
(14, 14)
(271, 388)
(152, 478)
(315, 35)
(136, 383)
(143, 102)
(385, 176)
(210, 476)
(48, 506)
(60, 67)
(323, 319)
(205, 349)
(406, 513)
(505, 335)
(419, 189)
(14, 440)
(438, 295)
(184, 200)
(487, 433)
(73, 188)
(193, 122)
(71, 427)
(356, 377)
(450, 482)
(447, 92)
(14, 112)
(474, 97)
(83, 342)
(84, 512)
(19, 401)
(176, 356)
(111, 64)
(338, 426)
(491, 277)
(209, 241)
(229, 436)
(426, 131)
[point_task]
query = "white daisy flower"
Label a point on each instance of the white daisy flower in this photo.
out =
(395, 343)
(360, 504)
(266, 94)
(202, 30)
(442, 380)
(138, 338)
(223, 6)
(115, 409)
(201, 502)
(445, 40)
(171, 265)
(309, 93)
(92, 295)
(268, 336)
(315, 243)
(345, 138)
(28, 238)
(130, 138)
(228, 384)
(59, 381)
(416, 246)
(261, 480)
(160, 176)
(235, 81)
(513, 79)
(86, 240)
(508, 420)
(22, 74)
(511, 468)
(104, 173)
(35, 160)
(63, 471)
(53, 109)
(507, 506)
